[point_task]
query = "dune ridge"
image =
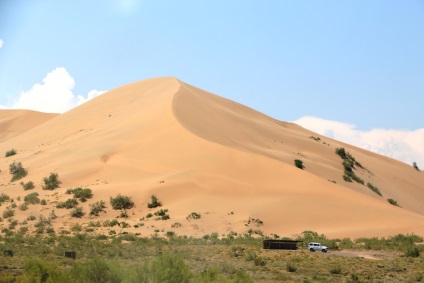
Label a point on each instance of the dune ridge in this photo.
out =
(202, 153)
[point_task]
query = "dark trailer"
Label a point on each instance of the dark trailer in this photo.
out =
(281, 244)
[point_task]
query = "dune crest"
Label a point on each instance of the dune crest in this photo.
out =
(202, 153)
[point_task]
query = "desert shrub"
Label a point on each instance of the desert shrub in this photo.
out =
(415, 166)
(68, 204)
(194, 215)
(10, 153)
(52, 182)
(23, 206)
(393, 202)
(52, 215)
(28, 186)
(37, 270)
(31, 218)
(97, 207)
(32, 198)
(257, 260)
(77, 212)
(122, 203)
(336, 269)
(81, 193)
(96, 270)
(374, 189)
(291, 266)
(43, 202)
(341, 152)
(154, 203)
(176, 225)
(169, 268)
(412, 251)
(17, 171)
(299, 163)
(8, 213)
(149, 215)
(162, 213)
(3, 198)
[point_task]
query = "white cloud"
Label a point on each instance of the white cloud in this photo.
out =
(1, 43)
(54, 95)
(403, 145)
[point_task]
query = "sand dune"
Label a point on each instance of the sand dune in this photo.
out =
(202, 153)
(16, 122)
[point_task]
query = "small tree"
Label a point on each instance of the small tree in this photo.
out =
(17, 171)
(78, 212)
(155, 202)
(52, 182)
(415, 166)
(27, 186)
(123, 203)
(299, 163)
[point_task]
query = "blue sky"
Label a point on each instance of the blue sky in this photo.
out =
(360, 63)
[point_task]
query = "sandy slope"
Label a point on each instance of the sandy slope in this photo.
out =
(201, 153)
(16, 122)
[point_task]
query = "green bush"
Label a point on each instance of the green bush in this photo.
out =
(28, 186)
(52, 182)
(162, 213)
(415, 166)
(97, 207)
(23, 207)
(68, 204)
(122, 203)
(393, 202)
(374, 189)
(17, 171)
(77, 212)
(412, 251)
(8, 213)
(96, 270)
(194, 215)
(81, 193)
(3, 198)
(32, 198)
(10, 153)
(155, 202)
(299, 163)
(169, 268)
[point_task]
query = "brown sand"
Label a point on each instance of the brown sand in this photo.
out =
(202, 153)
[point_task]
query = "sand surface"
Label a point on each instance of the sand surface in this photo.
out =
(202, 153)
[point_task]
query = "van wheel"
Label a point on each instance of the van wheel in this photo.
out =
(324, 251)
(311, 249)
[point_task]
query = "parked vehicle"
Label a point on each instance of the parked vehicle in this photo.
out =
(317, 247)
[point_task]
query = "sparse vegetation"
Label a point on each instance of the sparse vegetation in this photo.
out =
(8, 213)
(162, 214)
(10, 153)
(32, 198)
(28, 186)
(81, 193)
(154, 203)
(122, 203)
(77, 212)
(349, 164)
(194, 215)
(97, 207)
(374, 189)
(3, 198)
(17, 171)
(52, 182)
(68, 204)
(299, 164)
(393, 202)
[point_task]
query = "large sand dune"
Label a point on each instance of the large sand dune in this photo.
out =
(202, 153)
